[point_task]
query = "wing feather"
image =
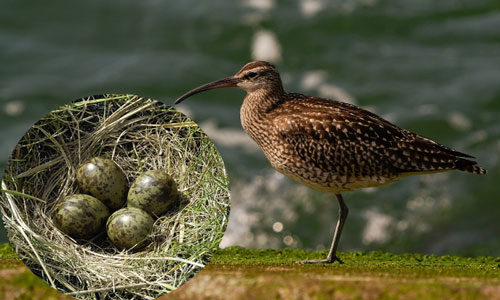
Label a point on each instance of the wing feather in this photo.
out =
(335, 136)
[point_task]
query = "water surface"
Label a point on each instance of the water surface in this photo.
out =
(430, 67)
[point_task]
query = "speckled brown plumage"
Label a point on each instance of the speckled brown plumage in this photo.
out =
(329, 145)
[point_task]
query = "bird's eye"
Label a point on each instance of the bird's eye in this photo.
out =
(251, 75)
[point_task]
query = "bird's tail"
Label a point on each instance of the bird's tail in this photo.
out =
(469, 166)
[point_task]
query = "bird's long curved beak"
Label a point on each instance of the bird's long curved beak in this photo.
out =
(224, 82)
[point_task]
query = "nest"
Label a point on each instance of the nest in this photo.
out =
(139, 135)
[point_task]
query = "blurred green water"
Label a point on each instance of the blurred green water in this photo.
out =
(429, 66)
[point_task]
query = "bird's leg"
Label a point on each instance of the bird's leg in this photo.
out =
(332, 255)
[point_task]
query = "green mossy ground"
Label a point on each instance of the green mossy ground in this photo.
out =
(416, 265)
(238, 273)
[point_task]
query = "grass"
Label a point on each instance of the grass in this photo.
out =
(417, 265)
(138, 134)
(238, 273)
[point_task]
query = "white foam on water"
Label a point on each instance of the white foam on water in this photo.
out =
(228, 137)
(309, 8)
(265, 46)
(313, 79)
(257, 205)
(14, 108)
(459, 121)
(377, 226)
(334, 92)
(260, 5)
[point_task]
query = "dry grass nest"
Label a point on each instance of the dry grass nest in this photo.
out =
(138, 134)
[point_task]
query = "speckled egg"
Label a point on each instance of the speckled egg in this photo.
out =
(80, 216)
(103, 179)
(153, 191)
(129, 227)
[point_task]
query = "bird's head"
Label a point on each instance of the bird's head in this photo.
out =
(254, 76)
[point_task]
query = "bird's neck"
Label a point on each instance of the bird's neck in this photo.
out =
(256, 111)
(263, 101)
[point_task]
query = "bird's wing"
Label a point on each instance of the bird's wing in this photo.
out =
(332, 135)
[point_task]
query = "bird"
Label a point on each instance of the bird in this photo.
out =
(331, 146)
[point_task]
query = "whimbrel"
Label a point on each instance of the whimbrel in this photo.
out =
(331, 146)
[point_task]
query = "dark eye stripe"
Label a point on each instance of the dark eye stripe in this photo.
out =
(251, 75)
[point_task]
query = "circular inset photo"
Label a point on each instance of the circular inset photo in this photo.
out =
(115, 197)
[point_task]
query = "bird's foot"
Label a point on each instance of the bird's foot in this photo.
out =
(321, 261)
